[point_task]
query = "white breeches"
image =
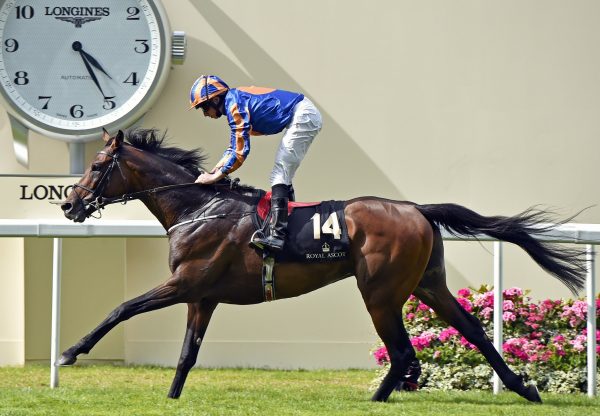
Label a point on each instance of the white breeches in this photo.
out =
(297, 138)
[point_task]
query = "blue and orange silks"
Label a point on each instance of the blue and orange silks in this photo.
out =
(254, 111)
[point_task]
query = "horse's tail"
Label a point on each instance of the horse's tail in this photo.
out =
(566, 264)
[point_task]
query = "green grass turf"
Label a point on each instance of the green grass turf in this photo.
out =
(113, 390)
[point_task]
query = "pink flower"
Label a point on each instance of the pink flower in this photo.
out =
(512, 292)
(509, 316)
(422, 307)
(464, 293)
(410, 316)
(579, 342)
(514, 347)
(508, 305)
(576, 313)
(535, 317)
(487, 312)
(436, 355)
(381, 356)
(465, 303)
(484, 300)
(546, 306)
(422, 341)
(558, 344)
(447, 333)
(535, 335)
(546, 356)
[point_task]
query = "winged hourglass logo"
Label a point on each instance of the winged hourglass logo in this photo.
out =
(77, 21)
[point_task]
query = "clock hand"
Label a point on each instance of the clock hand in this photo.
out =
(94, 62)
(77, 47)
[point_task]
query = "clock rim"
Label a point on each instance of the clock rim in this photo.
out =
(136, 113)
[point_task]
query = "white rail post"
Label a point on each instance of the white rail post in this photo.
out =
(590, 287)
(55, 335)
(498, 299)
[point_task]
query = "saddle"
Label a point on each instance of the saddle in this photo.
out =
(316, 231)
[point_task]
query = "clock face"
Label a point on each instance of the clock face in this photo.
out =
(72, 67)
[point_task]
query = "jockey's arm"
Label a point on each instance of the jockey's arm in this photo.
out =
(239, 147)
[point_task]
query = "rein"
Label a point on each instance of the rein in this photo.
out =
(96, 201)
(136, 195)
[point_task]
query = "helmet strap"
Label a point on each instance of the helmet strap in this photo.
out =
(206, 87)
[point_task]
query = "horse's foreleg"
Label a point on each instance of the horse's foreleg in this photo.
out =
(199, 315)
(157, 298)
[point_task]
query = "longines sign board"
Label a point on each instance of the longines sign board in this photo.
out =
(32, 197)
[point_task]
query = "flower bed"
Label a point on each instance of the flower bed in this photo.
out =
(544, 340)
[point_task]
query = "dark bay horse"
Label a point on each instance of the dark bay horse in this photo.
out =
(396, 249)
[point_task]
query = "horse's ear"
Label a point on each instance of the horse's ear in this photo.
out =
(105, 135)
(119, 138)
(117, 141)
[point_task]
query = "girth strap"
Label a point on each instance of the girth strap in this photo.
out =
(268, 278)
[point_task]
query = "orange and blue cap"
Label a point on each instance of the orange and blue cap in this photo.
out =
(205, 88)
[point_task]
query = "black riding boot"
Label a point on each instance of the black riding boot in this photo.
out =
(291, 193)
(279, 219)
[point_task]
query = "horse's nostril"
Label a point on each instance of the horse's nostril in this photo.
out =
(66, 206)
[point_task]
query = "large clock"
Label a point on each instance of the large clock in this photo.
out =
(69, 68)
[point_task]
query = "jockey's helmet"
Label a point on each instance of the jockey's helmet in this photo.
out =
(205, 88)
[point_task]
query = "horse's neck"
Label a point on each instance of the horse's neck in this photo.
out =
(171, 205)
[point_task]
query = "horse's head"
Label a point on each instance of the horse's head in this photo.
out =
(103, 179)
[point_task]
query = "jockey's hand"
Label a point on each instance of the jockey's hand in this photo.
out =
(208, 178)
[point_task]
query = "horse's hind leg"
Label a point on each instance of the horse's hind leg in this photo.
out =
(157, 298)
(199, 315)
(432, 290)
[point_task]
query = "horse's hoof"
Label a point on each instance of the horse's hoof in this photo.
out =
(66, 360)
(379, 396)
(532, 394)
(407, 386)
(380, 399)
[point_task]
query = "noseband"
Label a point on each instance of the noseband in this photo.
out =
(95, 199)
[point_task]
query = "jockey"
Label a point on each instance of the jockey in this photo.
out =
(254, 111)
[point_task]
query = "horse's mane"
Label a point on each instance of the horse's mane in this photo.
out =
(152, 141)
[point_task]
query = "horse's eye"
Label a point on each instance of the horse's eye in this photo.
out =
(95, 167)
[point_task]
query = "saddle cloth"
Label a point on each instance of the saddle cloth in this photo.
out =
(317, 231)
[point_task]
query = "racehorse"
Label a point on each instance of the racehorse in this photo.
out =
(396, 250)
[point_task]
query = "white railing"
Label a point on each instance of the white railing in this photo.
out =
(588, 234)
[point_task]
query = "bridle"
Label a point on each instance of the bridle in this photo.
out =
(97, 201)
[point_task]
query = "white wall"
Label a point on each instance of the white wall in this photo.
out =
(12, 302)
